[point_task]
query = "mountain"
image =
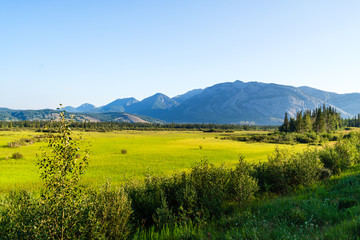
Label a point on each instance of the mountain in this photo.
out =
(86, 107)
(182, 98)
(152, 105)
(49, 114)
(238, 102)
(349, 102)
(230, 102)
(119, 105)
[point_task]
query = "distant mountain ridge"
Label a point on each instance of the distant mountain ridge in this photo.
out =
(231, 103)
(49, 114)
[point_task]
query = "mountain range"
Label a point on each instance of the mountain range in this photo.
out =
(230, 102)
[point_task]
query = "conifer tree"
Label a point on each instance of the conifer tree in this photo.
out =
(299, 122)
(307, 122)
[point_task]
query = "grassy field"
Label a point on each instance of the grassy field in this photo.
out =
(160, 153)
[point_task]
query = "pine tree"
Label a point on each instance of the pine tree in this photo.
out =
(307, 122)
(292, 125)
(299, 122)
(285, 127)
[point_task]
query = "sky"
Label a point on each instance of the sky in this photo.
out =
(87, 51)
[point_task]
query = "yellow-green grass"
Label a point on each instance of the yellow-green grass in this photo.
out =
(157, 152)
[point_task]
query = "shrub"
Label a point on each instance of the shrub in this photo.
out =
(345, 153)
(324, 174)
(123, 151)
(241, 186)
(110, 213)
(19, 216)
(17, 155)
(198, 195)
(286, 170)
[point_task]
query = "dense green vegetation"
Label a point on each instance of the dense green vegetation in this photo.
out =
(285, 138)
(52, 126)
(312, 127)
(324, 119)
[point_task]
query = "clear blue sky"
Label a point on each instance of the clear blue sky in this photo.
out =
(77, 51)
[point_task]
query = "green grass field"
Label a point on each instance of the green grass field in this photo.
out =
(160, 153)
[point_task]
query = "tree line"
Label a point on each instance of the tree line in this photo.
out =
(322, 119)
(48, 126)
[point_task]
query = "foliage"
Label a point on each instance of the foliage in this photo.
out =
(286, 170)
(285, 138)
(65, 210)
(345, 153)
(108, 125)
(199, 195)
(17, 155)
(324, 119)
(19, 216)
(110, 212)
(313, 213)
(62, 196)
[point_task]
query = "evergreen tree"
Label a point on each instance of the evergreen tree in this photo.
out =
(319, 122)
(307, 122)
(285, 127)
(299, 122)
(292, 125)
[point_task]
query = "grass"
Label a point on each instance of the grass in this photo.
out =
(158, 152)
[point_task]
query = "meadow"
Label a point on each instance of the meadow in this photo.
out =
(122, 155)
(277, 192)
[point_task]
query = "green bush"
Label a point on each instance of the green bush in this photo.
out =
(345, 153)
(145, 199)
(19, 216)
(17, 155)
(286, 170)
(101, 215)
(110, 213)
(199, 195)
(241, 186)
(123, 151)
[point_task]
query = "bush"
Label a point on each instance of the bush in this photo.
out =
(286, 170)
(145, 199)
(345, 153)
(241, 186)
(197, 196)
(102, 215)
(17, 155)
(324, 174)
(123, 151)
(19, 216)
(110, 213)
